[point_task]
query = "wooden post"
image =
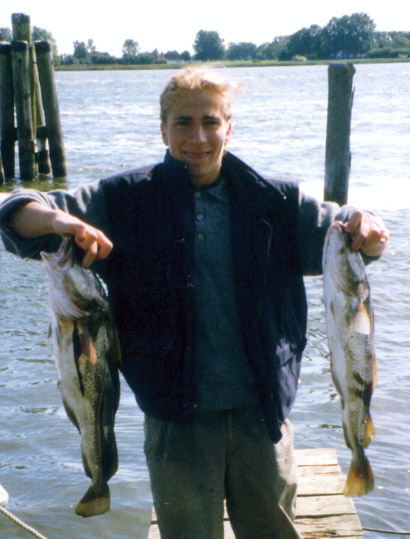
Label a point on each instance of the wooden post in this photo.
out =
(51, 110)
(22, 32)
(338, 157)
(7, 127)
(22, 91)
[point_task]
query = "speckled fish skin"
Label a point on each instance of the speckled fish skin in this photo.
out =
(87, 357)
(350, 329)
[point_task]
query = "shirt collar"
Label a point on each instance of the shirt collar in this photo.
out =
(218, 190)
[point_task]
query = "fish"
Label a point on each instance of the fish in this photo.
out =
(350, 332)
(87, 358)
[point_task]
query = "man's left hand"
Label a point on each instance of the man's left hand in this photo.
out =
(368, 232)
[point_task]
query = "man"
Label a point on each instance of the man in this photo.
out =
(204, 263)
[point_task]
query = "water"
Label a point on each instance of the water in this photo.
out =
(110, 123)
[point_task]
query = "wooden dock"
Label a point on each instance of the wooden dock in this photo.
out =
(322, 510)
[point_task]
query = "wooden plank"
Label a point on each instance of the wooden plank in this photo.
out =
(312, 471)
(323, 485)
(314, 457)
(316, 506)
(337, 526)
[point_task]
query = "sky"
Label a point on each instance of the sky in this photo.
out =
(172, 25)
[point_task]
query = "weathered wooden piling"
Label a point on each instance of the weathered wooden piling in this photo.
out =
(51, 110)
(35, 109)
(22, 32)
(338, 156)
(7, 128)
(22, 91)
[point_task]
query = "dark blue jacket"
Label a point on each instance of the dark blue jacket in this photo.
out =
(149, 279)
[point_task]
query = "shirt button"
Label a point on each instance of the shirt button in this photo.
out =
(200, 217)
(200, 236)
(197, 195)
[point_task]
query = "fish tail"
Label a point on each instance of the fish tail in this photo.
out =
(96, 501)
(360, 480)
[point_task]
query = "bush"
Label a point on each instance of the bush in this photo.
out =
(388, 53)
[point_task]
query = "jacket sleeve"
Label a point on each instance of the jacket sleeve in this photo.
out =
(86, 202)
(314, 218)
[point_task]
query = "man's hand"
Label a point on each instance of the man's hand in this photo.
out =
(368, 232)
(34, 220)
(91, 240)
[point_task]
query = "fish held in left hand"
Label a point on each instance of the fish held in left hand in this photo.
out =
(87, 359)
(350, 329)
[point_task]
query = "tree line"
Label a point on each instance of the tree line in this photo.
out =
(351, 36)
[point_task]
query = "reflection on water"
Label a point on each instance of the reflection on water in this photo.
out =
(110, 122)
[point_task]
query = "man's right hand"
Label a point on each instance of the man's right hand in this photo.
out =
(34, 220)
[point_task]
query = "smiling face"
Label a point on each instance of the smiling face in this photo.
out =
(197, 132)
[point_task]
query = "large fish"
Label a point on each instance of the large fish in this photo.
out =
(87, 358)
(350, 329)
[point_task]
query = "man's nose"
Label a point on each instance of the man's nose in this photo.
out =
(198, 134)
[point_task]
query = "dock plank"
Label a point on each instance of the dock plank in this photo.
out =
(321, 510)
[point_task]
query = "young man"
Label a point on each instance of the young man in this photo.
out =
(204, 263)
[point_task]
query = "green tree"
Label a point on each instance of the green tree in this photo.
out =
(305, 42)
(91, 48)
(5, 34)
(272, 51)
(241, 51)
(39, 34)
(400, 41)
(80, 50)
(209, 46)
(185, 56)
(130, 48)
(348, 36)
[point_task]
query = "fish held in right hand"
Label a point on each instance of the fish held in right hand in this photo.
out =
(350, 329)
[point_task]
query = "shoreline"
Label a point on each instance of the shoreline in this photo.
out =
(244, 63)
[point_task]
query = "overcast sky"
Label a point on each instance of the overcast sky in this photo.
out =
(173, 25)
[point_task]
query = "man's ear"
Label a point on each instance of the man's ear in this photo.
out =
(228, 134)
(164, 135)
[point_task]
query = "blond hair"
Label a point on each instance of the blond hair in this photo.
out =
(196, 78)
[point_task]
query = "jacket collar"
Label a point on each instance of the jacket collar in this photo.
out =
(253, 193)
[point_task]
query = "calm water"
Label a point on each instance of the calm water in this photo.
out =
(110, 123)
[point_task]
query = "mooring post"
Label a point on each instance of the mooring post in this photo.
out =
(25, 129)
(338, 156)
(7, 127)
(51, 110)
(22, 32)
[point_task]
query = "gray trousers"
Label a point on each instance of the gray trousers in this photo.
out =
(223, 455)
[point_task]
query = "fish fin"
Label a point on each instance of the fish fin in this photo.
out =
(375, 372)
(361, 320)
(359, 482)
(87, 346)
(369, 431)
(96, 501)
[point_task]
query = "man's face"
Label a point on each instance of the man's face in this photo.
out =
(197, 132)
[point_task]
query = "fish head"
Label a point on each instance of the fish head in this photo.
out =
(74, 291)
(347, 265)
(336, 247)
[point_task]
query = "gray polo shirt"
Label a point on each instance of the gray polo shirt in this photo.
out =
(223, 374)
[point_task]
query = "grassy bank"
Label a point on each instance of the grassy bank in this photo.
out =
(243, 63)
